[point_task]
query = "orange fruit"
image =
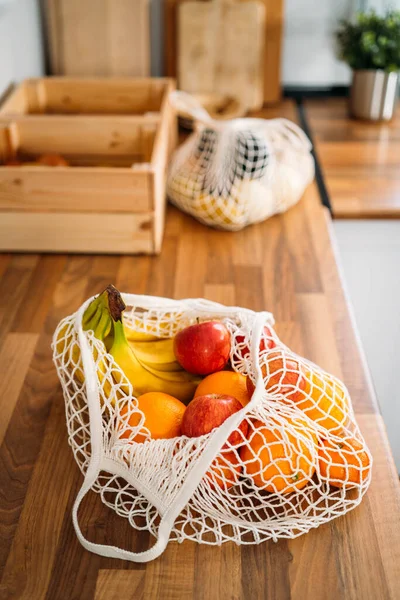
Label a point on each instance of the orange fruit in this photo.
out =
(52, 160)
(13, 162)
(277, 458)
(344, 463)
(316, 394)
(225, 470)
(228, 383)
(163, 416)
(324, 401)
(282, 374)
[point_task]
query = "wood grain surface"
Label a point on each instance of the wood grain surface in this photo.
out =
(274, 23)
(359, 159)
(221, 48)
(98, 37)
(286, 265)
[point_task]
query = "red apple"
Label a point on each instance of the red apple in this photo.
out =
(266, 343)
(203, 348)
(250, 387)
(204, 413)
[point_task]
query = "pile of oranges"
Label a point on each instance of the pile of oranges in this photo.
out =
(283, 455)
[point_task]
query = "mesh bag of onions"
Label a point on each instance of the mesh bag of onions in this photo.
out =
(229, 174)
(290, 460)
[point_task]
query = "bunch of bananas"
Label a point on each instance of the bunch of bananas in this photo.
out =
(147, 361)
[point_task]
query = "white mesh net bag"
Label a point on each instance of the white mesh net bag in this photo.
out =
(291, 459)
(229, 174)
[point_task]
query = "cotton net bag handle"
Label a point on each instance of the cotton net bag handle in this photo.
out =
(184, 102)
(216, 441)
(281, 133)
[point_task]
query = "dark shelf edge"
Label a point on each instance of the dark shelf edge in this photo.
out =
(319, 176)
(336, 91)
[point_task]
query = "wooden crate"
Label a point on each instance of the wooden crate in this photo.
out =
(110, 200)
(117, 134)
(101, 95)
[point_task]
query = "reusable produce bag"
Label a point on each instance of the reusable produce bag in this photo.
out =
(229, 174)
(291, 459)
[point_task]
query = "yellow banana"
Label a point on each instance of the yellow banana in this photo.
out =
(180, 384)
(108, 339)
(170, 367)
(147, 361)
(143, 378)
(97, 318)
(102, 364)
(156, 353)
(65, 343)
(134, 335)
(102, 325)
(138, 336)
(174, 376)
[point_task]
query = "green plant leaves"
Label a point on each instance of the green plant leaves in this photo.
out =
(371, 42)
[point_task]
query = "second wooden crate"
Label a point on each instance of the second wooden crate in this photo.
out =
(111, 199)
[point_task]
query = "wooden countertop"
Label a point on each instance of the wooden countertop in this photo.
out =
(359, 159)
(286, 265)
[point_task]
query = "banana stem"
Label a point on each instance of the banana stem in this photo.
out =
(104, 325)
(119, 333)
(105, 309)
(116, 305)
(94, 310)
(90, 311)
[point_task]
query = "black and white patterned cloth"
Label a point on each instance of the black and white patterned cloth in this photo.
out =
(247, 158)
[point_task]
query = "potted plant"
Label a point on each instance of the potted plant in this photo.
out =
(371, 47)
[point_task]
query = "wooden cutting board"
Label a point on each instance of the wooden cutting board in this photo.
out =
(273, 34)
(98, 37)
(221, 49)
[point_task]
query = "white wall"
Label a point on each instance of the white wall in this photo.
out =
(21, 49)
(370, 257)
(381, 5)
(309, 50)
(309, 54)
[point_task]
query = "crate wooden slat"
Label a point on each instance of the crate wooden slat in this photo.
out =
(111, 199)
(76, 188)
(108, 137)
(96, 95)
(106, 233)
